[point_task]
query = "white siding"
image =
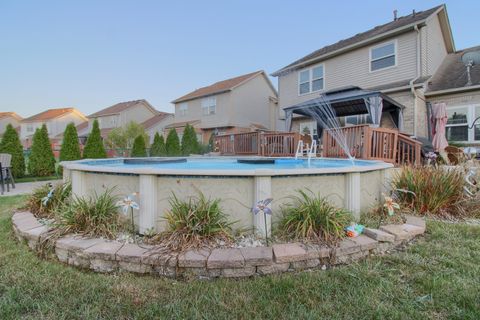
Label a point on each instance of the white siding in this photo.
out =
(5, 121)
(435, 45)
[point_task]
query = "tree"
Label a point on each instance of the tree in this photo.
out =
(70, 149)
(41, 160)
(189, 141)
(158, 148)
(138, 149)
(11, 144)
(94, 148)
(123, 137)
(211, 143)
(173, 143)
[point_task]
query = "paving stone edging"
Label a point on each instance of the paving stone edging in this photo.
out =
(103, 255)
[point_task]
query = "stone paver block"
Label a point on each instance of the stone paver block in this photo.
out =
(366, 243)
(349, 258)
(345, 247)
(239, 272)
(27, 224)
(22, 215)
(397, 230)
(105, 250)
(160, 259)
(131, 252)
(416, 221)
(317, 251)
(413, 230)
(193, 259)
(135, 267)
(306, 264)
(76, 243)
(101, 265)
(257, 256)
(379, 235)
(383, 247)
(289, 252)
(225, 258)
(273, 268)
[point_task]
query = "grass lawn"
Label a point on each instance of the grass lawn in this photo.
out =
(35, 179)
(436, 278)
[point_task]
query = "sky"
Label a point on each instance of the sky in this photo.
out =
(92, 54)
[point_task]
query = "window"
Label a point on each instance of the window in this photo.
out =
(209, 105)
(357, 119)
(383, 56)
(458, 122)
(29, 128)
(183, 108)
(310, 80)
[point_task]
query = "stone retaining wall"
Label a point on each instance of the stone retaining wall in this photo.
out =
(109, 256)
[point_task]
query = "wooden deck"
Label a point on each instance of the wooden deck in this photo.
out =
(364, 142)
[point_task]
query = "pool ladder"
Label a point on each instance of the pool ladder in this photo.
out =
(310, 150)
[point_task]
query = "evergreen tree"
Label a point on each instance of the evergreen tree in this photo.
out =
(94, 148)
(173, 143)
(70, 149)
(158, 148)
(139, 149)
(189, 141)
(11, 144)
(41, 160)
(211, 143)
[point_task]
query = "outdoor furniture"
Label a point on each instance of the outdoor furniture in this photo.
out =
(455, 155)
(6, 172)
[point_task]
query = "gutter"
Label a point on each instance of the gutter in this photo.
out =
(452, 90)
(411, 84)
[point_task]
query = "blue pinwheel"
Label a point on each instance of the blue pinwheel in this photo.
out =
(262, 206)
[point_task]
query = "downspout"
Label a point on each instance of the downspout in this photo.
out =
(412, 88)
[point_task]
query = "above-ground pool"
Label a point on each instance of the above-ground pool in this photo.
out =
(239, 182)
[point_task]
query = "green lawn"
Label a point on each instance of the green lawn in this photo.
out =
(436, 278)
(35, 179)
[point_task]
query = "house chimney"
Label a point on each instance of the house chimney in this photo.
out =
(413, 13)
(395, 15)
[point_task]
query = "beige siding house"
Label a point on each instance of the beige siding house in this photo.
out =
(396, 59)
(241, 104)
(157, 124)
(9, 118)
(122, 113)
(56, 121)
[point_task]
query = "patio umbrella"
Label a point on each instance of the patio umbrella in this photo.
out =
(439, 117)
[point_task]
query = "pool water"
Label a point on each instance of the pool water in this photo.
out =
(233, 164)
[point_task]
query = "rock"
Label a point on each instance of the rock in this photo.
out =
(257, 256)
(366, 243)
(238, 272)
(379, 235)
(345, 247)
(273, 268)
(225, 258)
(306, 264)
(132, 253)
(193, 259)
(104, 250)
(289, 252)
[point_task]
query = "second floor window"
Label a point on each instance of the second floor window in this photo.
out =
(383, 56)
(29, 128)
(209, 105)
(310, 80)
(183, 108)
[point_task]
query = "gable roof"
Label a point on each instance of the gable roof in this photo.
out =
(119, 107)
(156, 119)
(218, 87)
(10, 114)
(452, 73)
(378, 31)
(52, 114)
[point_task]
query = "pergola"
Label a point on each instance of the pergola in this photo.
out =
(348, 101)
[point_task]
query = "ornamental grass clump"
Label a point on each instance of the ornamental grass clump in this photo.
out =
(429, 190)
(311, 217)
(95, 215)
(196, 222)
(45, 199)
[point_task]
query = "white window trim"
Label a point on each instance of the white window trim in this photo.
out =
(470, 118)
(183, 111)
(310, 79)
(209, 107)
(395, 44)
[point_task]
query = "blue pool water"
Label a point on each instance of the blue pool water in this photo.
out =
(232, 164)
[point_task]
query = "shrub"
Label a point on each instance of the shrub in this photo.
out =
(11, 144)
(158, 148)
(41, 159)
(196, 222)
(189, 141)
(43, 201)
(173, 143)
(70, 149)
(211, 143)
(139, 149)
(94, 148)
(311, 217)
(124, 137)
(95, 215)
(431, 189)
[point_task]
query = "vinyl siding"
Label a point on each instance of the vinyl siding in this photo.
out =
(5, 121)
(138, 113)
(353, 68)
(435, 45)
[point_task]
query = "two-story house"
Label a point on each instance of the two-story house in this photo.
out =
(392, 61)
(9, 118)
(56, 121)
(122, 113)
(241, 104)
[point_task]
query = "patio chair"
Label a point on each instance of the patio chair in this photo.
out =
(6, 172)
(455, 155)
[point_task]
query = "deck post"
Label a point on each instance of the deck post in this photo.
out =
(352, 193)
(262, 190)
(148, 202)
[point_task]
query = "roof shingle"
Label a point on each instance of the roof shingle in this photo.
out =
(51, 114)
(155, 119)
(117, 108)
(10, 114)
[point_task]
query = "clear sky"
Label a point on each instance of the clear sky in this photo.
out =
(93, 54)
